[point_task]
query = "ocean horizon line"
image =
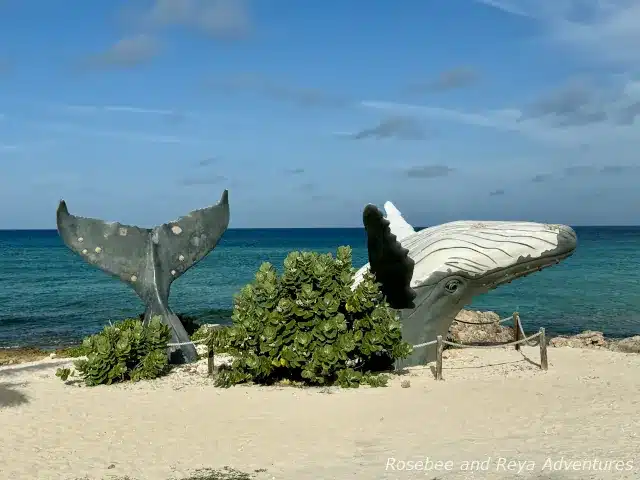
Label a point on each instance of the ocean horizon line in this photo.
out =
(16, 230)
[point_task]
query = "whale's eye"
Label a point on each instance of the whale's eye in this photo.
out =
(452, 286)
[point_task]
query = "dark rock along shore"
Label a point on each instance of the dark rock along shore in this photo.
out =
(467, 333)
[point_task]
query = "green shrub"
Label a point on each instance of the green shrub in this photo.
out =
(309, 326)
(73, 351)
(126, 350)
(190, 324)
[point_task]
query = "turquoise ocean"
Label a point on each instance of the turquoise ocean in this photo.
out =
(50, 297)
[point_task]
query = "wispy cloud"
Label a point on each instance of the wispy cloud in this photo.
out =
(126, 53)
(580, 103)
(597, 30)
(579, 170)
(429, 171)
(448, 80)
(304, 97)
(564, 130)
(542, 177)
(585, 171)
(401, 127)
(203, 180)
(118, 109)
(8, 148)
(220, 19)
(133, 136)
(205, 162)
(295, 171)
(497, 193)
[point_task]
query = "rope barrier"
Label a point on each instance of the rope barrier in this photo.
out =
(196, 342)
(425, 344)
(420, 345)
(499, 345)
(522, 340)
(524, 335)
(502, 320)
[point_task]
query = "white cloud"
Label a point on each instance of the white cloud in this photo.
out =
(79, 130)
(7, 148)
(511, 120)
(224, 19)
(602, 32)
(118, 109)
(126, 53)
(598, 30)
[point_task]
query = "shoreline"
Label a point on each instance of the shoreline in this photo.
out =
(470, 332)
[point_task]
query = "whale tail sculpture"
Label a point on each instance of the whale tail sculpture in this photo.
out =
(149, 260)
(430, 275)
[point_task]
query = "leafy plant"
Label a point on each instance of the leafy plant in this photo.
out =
(126, 350)
(190, 324)
(63, 373)
(74, 351)
(308, 325)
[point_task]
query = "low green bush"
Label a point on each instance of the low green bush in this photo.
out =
(308, 326)
(126, 350)
(190, 324)
(73, 351)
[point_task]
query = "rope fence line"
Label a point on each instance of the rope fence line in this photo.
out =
(210, 352)
(502, 320)
(520, 338)
(195, 342)
(499, 345)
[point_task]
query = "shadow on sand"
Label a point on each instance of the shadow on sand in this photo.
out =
(10, 397)
(7, 371)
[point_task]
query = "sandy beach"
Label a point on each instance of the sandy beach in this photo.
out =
(494, 406)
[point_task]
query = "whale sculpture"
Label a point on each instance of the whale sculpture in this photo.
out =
(149, 260)
(430, 275)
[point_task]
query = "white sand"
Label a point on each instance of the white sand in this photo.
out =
(492, 404)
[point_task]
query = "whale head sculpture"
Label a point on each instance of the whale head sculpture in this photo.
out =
(430, 275)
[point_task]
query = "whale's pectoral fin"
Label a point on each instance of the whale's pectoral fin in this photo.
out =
(114, 248)
(397, 224)
(388, 260)
(189, 239)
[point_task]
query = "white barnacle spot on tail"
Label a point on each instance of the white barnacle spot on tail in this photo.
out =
(176, 230)
(195, 241)
(173, 272)
(98, 249)
(80, 239)
(85, 251)
(133, 278)
(181, 258)
(123, 232)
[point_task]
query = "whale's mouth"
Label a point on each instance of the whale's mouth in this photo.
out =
(527, 266)
(520, 270)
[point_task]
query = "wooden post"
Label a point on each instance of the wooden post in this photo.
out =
(440, 349)
(544, 363)
(210, 363)
(516, 328)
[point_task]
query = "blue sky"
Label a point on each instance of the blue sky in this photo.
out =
(141, 111)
